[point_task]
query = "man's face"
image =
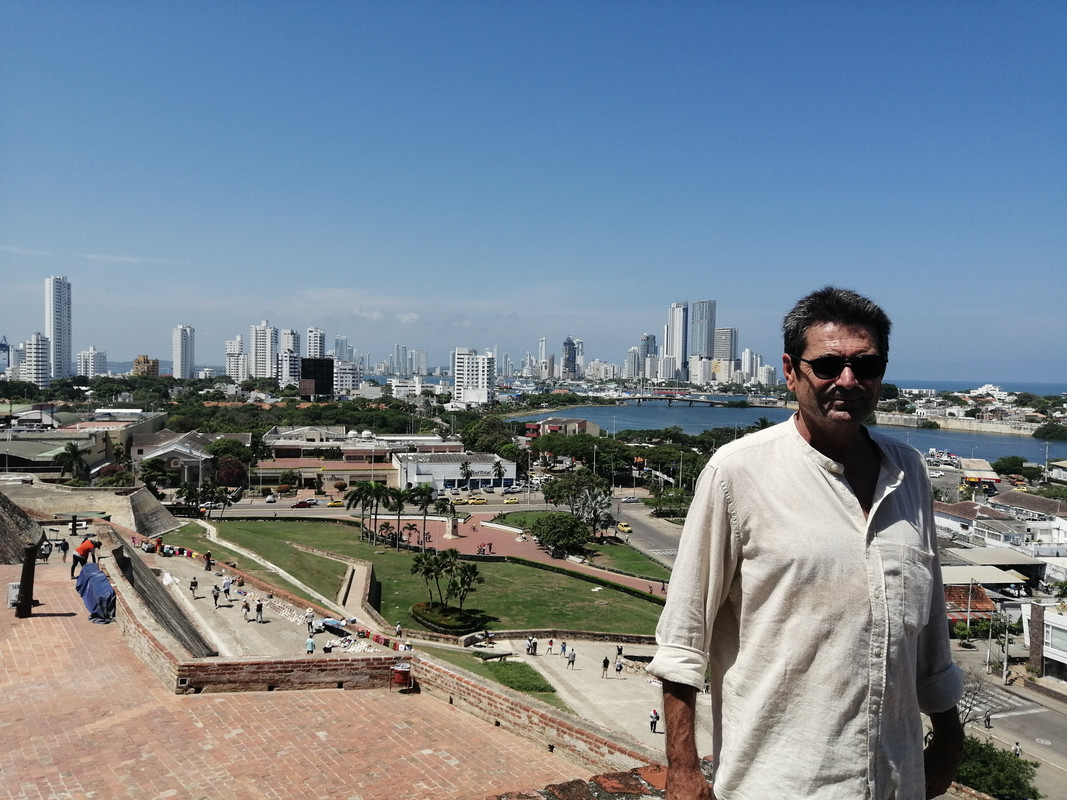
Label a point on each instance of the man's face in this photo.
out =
(826, 404)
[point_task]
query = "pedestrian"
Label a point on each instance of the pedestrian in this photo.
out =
(215, 592)
(663, 587)
(563, 649)
(207, 561)
(618, 651)
(82, 554)
(44, 551)
(399, 630)
(1017, 751)
(490, 546)
(987, 718)
(309, 620)
(570, 658)
(64, 546)
(245, 610)
(226, 583)
(528, 645)
(192, 587)
(653, 720)
(604, 667)
(259, 609)
(548, 652)
(533, 645)
(852, 507)
(309, 645)
(618, 668)
(650, 588)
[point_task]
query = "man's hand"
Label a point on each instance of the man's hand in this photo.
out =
(944, 753)
(685, 781)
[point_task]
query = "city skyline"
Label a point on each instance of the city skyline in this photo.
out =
(487, 176)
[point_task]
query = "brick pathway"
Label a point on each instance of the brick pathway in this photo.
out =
(81, 717)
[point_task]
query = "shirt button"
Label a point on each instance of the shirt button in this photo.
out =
(836, 468)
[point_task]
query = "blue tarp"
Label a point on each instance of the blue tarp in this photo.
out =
(96, 593)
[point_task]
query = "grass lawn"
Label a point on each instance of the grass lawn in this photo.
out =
(616, 555)
(512, 596)
(491, 671)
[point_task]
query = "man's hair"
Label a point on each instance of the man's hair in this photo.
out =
(841, 306)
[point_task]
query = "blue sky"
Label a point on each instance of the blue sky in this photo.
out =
(482, 174)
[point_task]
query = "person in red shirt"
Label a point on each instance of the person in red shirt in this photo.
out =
(82, 554)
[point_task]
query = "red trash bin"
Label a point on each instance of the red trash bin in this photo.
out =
(402, 674)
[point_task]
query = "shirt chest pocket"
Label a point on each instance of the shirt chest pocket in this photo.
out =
(908, 579)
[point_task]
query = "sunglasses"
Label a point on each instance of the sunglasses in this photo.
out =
(829, 367)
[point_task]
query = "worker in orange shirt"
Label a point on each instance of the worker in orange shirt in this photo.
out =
(83, 552)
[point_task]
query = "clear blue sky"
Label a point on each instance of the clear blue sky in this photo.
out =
(482, 174)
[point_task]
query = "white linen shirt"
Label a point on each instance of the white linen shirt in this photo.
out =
(824, 632)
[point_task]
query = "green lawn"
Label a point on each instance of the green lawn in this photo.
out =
(512, 596)
(491, 671)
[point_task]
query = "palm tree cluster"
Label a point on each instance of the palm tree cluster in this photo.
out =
(372, 496)
(462, 575)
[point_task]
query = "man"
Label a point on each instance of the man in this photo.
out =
(807, 585)
(82, 554)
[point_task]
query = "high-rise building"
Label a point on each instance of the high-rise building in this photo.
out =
(633, 364)
(702, 328)
(542, 359)
(316, 343)
(236, 360)
(342, 351)
(473, 376)
(263, 351)
(646, 348)
(579, 358)
(57, 326)
(182, 341)
(725, 344)
(290, 340)
(288, 371)
(145, 367)
(35, 361)
(675, 340)
(92, 362)
(569, 370)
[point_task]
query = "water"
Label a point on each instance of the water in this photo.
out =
(693, 420)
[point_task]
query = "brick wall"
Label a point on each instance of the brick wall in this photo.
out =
(251, 674)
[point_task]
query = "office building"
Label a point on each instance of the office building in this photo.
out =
(675, 342)
(579, 358)
(145, 367)
(288, 371)
(347, 377)
(263, 351)
(569, 370)
(473, 376)
(316, 343)
(316, 377)
(236, 360)
(632, 363)
(725, 344)
(182, 341)
(342, 351)
(92, 362)
(702, 328)
(57, 324)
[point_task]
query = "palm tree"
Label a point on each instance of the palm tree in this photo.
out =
(359, 494)
(378, 493)
(466, 472)
(396, 501)
(499, 471)
(422, 565)
(409, 529)
(188, 494)
(449, 562)
(422, 496)
(385, 530)
(72, 457)
(463, 580)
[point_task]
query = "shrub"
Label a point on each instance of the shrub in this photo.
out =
(520, 677)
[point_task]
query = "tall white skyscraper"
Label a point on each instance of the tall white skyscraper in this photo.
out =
(342, 350)
(290, 340)
(262, 350)
(236, 360)
(316, 343)
(57, 326)
(675, 336)
(182, 341)
(702, 328)
(92, 362)
(36, 361)
(474, 376)
(725, 344)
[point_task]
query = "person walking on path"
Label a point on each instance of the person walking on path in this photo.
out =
(399, 630)
(1017, 751)
(653, 720)
(570, 658)
(618, 669)
(64, 546)
(309, 645)
(207, 561)
(215, 592)
(987, 719)
(604, 667)
(82, 554)
(226, 583)
(533, 646)
(309, 620)
(548, 651)
(245, 610)
(193, 584)
(259, 609)
(563, 649)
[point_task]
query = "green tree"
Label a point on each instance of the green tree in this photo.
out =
(360, 494)
(463, 580)
(425, 566)
(154, 473)
(1052, 431)
(231, 447)
(290, 477)
(466, 472)
(560, 533)
(594, 508)
(72, 458)
(230, 471)
(422, 496)
(986, 768)
(499, 471)
(397, 500)
(567, 489)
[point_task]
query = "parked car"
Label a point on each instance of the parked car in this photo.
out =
(454, 491)
(460, 501)
(624, 527)
(271, 499)
(488, 490)
(936, 473)
(301, 504)
(477, 501)
(512, 490)
(335, 504)
(510, 500)
(630, 499)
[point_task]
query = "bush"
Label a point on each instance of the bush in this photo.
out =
(520, 677)
(284, 488)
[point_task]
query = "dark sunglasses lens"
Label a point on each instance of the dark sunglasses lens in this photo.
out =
(867, 367)
(827, 367)
(863, 367)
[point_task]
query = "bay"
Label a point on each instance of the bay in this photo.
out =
(657, 415)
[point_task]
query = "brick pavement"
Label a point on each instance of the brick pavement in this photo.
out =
(83, 718)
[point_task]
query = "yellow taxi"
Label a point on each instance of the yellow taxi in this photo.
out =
(335, 504)
(624, 527)
(510, 500)
(477, 501)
